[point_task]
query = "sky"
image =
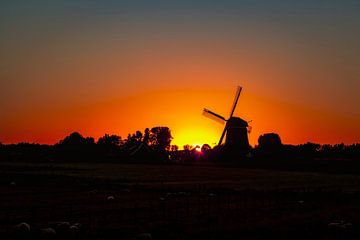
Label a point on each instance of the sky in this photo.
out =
(115, 67)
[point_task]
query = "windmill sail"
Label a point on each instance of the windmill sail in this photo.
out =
(214, 116)
(238, 91)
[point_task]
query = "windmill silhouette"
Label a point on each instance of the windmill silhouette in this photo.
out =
(236, 128)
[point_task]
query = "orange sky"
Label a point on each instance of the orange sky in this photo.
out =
(181, 111)
(118, 73)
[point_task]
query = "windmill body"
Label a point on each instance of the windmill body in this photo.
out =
(236, 129)
(237, 135)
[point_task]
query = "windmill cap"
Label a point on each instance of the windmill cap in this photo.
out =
(236, 122)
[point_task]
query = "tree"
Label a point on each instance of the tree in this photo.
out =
(109, 145)
(160, 138)
(269, 145)
(174, 148)
(269, 140)
(138, 136)
(205, 147)
(309, 150)
(76, 139)
(187, 147)
(134, 140)
(146, 136)
(109, 140)
(76, 146)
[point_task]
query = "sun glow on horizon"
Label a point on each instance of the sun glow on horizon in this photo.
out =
(194, 136)
(183, 115)
(197, 148)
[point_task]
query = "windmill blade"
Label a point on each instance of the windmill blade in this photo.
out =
(214, 116)
(238, 91)
(222, 136)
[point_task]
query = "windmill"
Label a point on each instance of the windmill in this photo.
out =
(236, 128)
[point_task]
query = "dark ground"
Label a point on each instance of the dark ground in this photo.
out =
(120, 201)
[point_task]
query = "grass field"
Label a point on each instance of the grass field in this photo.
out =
(120, 201)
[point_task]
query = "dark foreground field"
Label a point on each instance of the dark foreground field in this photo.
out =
(118, 201)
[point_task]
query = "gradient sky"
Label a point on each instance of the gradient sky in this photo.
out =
(119, 66)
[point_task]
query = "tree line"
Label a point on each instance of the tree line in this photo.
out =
(154, 146)
(151, 145)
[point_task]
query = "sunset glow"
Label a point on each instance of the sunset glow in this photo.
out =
(198, 149)
(118, 68)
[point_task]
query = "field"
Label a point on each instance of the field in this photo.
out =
(121, 201)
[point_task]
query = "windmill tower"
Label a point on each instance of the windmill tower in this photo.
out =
(236, 129)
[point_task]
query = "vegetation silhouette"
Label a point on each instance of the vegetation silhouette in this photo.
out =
(154, 146)
(189, 196)
(269, 146)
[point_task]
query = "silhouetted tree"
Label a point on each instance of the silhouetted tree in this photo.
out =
(326, 149)
(352, 151)
(160, 138)
(308, 150)
(269, 140)
(340, 151)
(174, 148)
(76, 139)
(205, 147)
(270, 145)
(175, 154)
(77, 147)
(187, 147)
(146, 136)
(25, 151)
(133, 140)
(137, 147)
(109, 140)
(138, 136)
(109, 145)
